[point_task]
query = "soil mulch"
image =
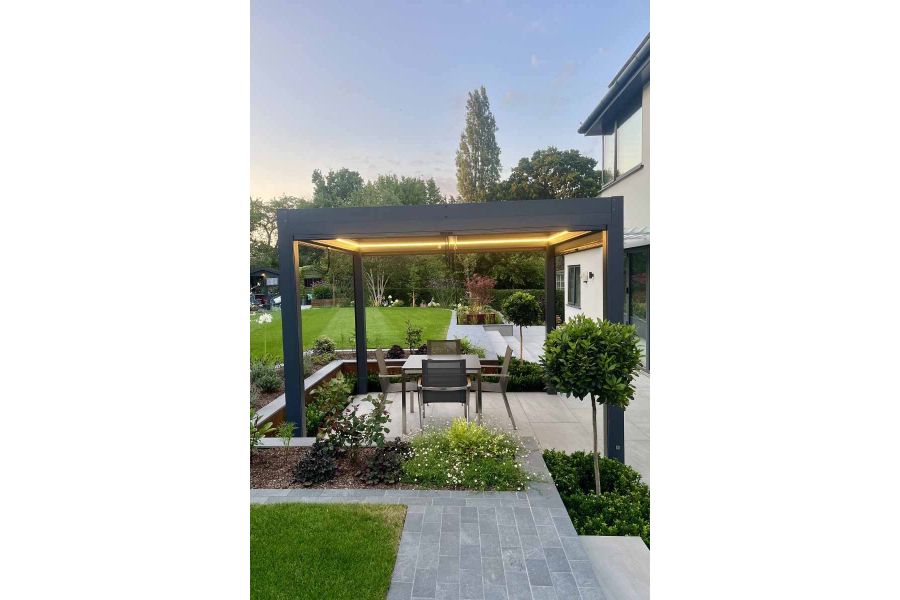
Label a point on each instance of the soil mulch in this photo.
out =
(266, 397)
(270, 469)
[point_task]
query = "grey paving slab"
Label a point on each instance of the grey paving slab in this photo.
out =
(429, 555)
(495, 591)
(468, 533)
(470, 557)
(531, 546)
(449, 545)
(400, 591)
(517, 586)
(404, 568)
(538, 572)
(492, 570)
(490, 544)
(583, 573)
(513, 560)
(425, 584)
(448, 569)
(471, 586)
(565, 585)
(544, 593)
(447, 591)
(556, 560)
(509, 536)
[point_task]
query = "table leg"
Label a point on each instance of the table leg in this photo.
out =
(403, 404)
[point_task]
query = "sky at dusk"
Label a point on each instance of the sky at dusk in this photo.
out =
(380, 87)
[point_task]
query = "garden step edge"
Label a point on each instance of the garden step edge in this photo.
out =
(621, 565)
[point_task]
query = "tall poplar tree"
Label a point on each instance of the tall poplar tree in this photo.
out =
(478, 157)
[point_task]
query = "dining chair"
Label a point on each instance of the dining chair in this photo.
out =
(443, 381)
(499, 387)
(444, 347)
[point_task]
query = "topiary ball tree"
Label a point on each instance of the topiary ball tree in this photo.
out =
(522, 309)
(593, 358)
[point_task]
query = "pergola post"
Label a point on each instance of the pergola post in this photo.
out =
(550, 288)
(613, 311)
(291, 332)
(359, 313)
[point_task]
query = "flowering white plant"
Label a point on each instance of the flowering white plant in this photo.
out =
(263, 319)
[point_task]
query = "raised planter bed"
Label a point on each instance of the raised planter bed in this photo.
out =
(488, 317)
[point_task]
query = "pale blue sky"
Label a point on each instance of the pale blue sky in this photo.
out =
(380, 87)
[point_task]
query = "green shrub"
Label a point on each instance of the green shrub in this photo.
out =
(525, 376)
(386, 464)
(348, 431)
(467, 347)
(413, 335)
(321, 291)
(327, 399)
(623, 508)
(264, 375)
(465, 455)
(257, 431)
(316, 466)
(322, 351)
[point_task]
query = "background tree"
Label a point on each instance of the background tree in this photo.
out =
(478, 157)
(599, 359)
(551, 173)
(264, 228)
(336, 188)
(522, 309)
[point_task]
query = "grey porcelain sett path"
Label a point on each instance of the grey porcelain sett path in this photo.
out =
(459, 545)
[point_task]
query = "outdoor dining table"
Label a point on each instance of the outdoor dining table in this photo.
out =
(413, 367)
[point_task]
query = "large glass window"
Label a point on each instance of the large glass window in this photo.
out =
(574, 291)
(628, 143)
(621, 149)
(609, 157)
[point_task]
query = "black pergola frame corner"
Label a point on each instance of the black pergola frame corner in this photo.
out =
(603, 216)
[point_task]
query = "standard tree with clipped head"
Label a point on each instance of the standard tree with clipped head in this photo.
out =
(522, 309)
(593, 358)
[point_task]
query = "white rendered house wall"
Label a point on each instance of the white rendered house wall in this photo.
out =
(591, 288)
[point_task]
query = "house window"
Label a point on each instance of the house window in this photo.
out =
(573, 294)
(622, 147)
(560, 280)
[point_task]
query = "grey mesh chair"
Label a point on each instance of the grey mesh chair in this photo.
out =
(438, 347)
(384, 377)
(443, 381)
(499, 387)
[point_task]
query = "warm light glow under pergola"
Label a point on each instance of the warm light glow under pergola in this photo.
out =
(531, 240)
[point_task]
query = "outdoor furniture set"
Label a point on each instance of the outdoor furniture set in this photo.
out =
(444, 375)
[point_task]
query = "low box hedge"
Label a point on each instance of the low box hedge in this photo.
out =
(622, 508)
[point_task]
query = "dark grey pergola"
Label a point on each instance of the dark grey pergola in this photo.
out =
(554, 226)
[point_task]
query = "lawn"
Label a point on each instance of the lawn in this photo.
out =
(318, 551)
(384, 327)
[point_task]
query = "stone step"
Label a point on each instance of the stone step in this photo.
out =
(621, 564)
(496, 344)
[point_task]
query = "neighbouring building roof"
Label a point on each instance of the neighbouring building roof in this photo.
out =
(627, 83)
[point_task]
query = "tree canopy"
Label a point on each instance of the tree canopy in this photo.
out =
(337, 188)
(551, 173)
(478, 157)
